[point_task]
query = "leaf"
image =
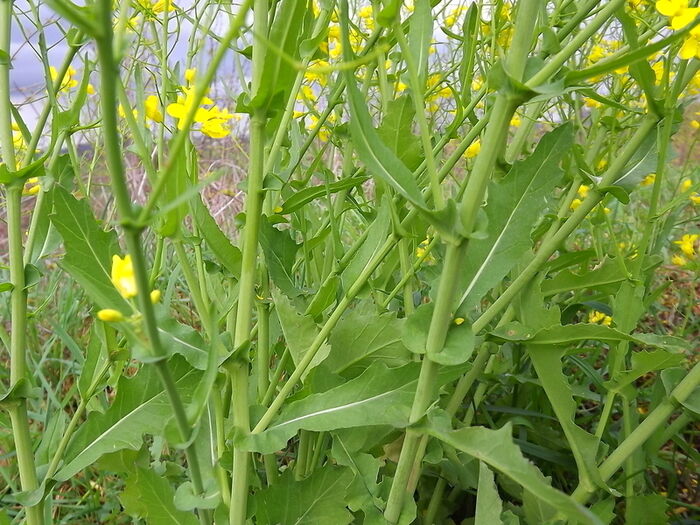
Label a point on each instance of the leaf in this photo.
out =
(181, 339)
(169, 222)
(642, 364)
(140, 407)
(289, 28)
(559, 335)
(362, 337)
(459, 343)
(642, 164)
(149, 496)
(376, 236)
(420, 33)
(319, 498)
(95, 360)
(497, 450)
(583, 445)
(380, 396)
(306, 195)
(89, 250)
(299, 332)
(671, 377)
(396, 131)
(488, 503)
(608, 273)
(280, 252)
(371, 150)
(220, 245)
(363, 491)
(649, 509)
(514, 207)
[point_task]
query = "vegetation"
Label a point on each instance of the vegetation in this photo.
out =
(341, 262)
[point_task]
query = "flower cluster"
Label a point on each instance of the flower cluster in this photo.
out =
(596, 317)
(213, 121)
(124, 280)
(680, 15)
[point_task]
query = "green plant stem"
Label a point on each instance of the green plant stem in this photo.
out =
(645, 430)
(557, 61)
(471, 200)
(239, 369)
(109, 72)
(419, 105)
(18, 299)
(323, 334)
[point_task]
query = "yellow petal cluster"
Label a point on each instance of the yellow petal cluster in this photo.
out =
(123, 276)
(687, 244)
(596, 317)
(213, 121)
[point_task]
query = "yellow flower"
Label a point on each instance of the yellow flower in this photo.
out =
(686, 185)
(575, 204)
(190, 74)
(679, 260)
(123, 276)
(155, 296)
(109, 315)
(152, 107)
(691, 46)
(592, 103)
(316, 72)
(212, 120)
(31, 187)
(155, 8)
(473, 149)
(695, 198)
(649, 179)
(90, 89)
(122, 113)
(515, 121)
(583, 191)
(597, 317)
(678, 11)
(459, 320)
(687, 244)
(68, 81)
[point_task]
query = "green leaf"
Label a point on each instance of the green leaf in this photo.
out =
(420, 34)
(380, 396)
(95, 360)
(306, 195)
(642, 164)
(608, 273)
(559, 335)
(372, 151)
(670, 379)
(362, 336)
(497, 450)
(363, 491)
(140, 407)
(149, 495)
(584, 446)
(376, 236)
(169, 222)
(181, 339)
(396, 131)
(289, 28)
(280, 252)
(514, 207)
(642, 364)
(89, 250)
(319, 498)
(649, 509)
(299, 332)
(459, 343)
(220, 245)
(488, 503)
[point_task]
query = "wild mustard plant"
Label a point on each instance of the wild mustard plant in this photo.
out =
(351, 262)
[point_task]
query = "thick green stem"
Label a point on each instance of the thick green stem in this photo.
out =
(109, 72)
(18, 299)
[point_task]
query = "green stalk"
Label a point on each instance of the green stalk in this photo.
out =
(645, 430)
(323, 334)
(18, 298)
(239, 370)
(494, 141)
(419, 104)
(109, 72)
